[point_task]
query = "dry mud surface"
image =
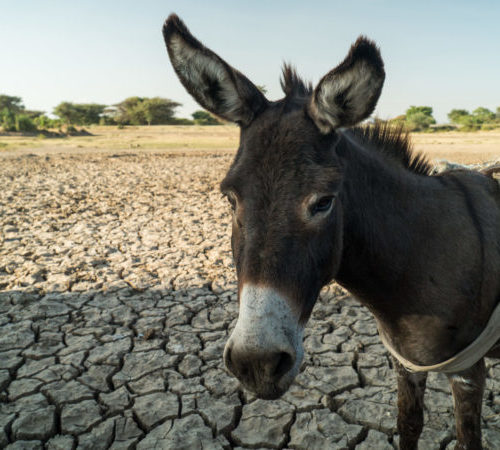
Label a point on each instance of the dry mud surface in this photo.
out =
(117, 294)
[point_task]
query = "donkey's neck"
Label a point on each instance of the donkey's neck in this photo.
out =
(381, 201)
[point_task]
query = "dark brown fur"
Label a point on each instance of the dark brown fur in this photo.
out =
(421, 252)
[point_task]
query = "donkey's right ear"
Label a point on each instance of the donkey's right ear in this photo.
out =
(212, 82)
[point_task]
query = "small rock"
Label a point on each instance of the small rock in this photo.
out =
(79, 417)
(322, 429)
(25, 445)
(153, 408)
(377, 440)
(186, 433)
(35, 425)
(116, 401)
(60, 442)
(99, 438)
(271, 419)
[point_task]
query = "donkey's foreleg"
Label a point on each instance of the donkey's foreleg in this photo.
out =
(411, 389)
(467, 388)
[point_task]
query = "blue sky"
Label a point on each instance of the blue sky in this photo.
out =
(445, 54)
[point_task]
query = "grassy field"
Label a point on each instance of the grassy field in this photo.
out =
(465, 148)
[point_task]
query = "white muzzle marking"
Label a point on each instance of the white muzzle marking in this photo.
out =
(267, 324)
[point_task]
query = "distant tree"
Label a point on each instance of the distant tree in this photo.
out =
(484, 115)
(457, 116)
(498, 112)
(427, 110)
(11, 103)
(7, 119)
(419, 118)
(79, 113)
(159, 111)
(24, 122)
(127, 112)
(145, 111)
(43, 122)
(204, 118)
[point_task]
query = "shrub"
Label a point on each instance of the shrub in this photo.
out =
(8, 120)
(419, 118)
(181, 121)
(204, 118)
(24, 123)
(489, 126)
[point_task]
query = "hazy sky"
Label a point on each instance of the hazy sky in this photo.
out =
(445, 54)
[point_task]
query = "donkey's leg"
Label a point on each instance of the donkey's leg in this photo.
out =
(411, 389)
(467, 388)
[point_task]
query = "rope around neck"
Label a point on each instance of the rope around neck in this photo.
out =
(463, 359)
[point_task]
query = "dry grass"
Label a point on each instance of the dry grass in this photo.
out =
(464, 148)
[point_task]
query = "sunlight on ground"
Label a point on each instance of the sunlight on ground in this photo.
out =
(465, 148)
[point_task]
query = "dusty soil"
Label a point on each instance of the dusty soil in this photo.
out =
(117, 294)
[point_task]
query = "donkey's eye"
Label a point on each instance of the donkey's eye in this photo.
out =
(322, 205)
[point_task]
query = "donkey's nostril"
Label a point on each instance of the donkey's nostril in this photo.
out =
(284, 364)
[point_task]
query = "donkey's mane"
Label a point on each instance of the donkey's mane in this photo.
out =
(293, 86)
(393, 142)
(389, 140)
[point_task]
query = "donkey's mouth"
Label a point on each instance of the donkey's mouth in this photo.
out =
(267, 376)
(267, 390)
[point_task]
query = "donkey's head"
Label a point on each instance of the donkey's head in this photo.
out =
(283, 189)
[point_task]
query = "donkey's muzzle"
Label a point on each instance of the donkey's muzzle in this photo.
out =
(260, 372)
(265, 349)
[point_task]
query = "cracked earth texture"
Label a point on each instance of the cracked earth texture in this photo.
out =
(117, 296)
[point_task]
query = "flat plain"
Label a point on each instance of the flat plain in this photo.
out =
(117, 294)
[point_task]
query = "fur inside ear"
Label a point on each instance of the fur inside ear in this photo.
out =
(349, 93)
(212, 82)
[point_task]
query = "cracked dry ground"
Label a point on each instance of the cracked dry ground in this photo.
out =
(117, 296)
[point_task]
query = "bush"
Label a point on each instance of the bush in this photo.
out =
(24, 123)
(419, 118)
(8, 120)
(204, 118)
(181, 121)
(439, 128)
(44, 123)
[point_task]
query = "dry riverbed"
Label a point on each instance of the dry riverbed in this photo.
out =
(117, 294)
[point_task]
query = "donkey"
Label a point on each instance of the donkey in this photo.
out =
(316, 198)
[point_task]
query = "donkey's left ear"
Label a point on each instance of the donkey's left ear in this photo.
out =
(212, 82)
(348, 94)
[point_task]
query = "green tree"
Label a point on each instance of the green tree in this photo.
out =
(145, 111)
(159, 111)
(484, 115)
(457, 116)
(79, 113)
(419, 118)
(43, 122)
(25, 123)
(204, 118)
(129, 112)
(8, 119)
(67, 112)
(13, 104)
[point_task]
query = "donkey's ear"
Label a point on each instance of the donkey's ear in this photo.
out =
(348, 94)
(212, 82)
